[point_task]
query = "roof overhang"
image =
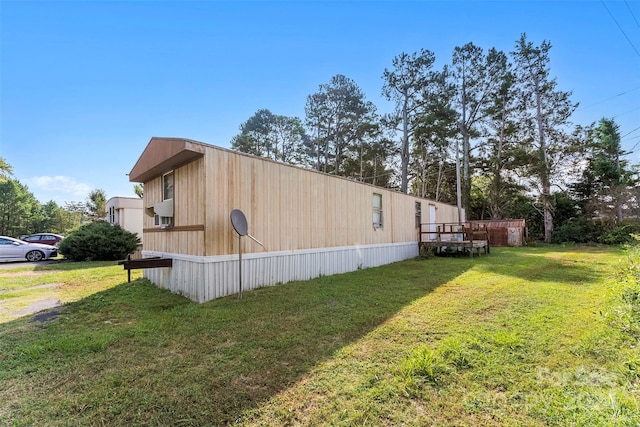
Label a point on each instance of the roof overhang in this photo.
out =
(124, 202)
(164, 154)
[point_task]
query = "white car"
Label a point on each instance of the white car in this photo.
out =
(14, 249)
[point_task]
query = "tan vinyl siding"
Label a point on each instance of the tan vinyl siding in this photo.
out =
(189, 212)
(287, 208)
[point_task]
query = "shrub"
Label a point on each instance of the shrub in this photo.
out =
(629, 313)
(580, 230)
(620, 234)
(572, 230)
(98, 241)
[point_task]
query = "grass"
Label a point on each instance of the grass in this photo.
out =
(527, 336)
(65, 282)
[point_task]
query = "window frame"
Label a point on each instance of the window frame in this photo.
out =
(168, 183)
(171, 188)
(378, 218)
(162, 221)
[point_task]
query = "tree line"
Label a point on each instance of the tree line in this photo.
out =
(21, 213)
(490, 131)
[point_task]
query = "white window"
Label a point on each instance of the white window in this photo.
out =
(167, 186)
(377, 210)
(164, 216)
(163, 221)
(112, 215)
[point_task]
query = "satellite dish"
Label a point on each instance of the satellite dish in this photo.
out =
(239, 222)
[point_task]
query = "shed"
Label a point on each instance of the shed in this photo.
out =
(310, 223)
(504, 232)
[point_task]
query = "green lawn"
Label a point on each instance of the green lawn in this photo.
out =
(524, 336)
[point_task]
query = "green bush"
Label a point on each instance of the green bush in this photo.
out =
(620, 234)
(580, 230)
(98, 241)
(572, 230)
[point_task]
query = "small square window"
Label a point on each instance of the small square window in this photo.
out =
(163, 221)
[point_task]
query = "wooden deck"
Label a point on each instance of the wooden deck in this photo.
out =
(454, 238)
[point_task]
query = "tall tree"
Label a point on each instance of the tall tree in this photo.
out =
(371, 160)
(96, 205)
(6, 170)
(341, 117)
(270, 135)
(20, 212)
(289, 135)
(432, 163)
(477, 76)
(54, 220)
(317, 120)
(255, 135)
(57, 220)
(406, 85)
(545, 112)
(607, 179)
(76, 213)
(497, 151)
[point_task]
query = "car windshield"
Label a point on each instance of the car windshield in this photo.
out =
(11, 241)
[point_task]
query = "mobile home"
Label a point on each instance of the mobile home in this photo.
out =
(310, 223)
(126, 212)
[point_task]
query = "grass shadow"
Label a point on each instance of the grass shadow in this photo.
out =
(135, 354)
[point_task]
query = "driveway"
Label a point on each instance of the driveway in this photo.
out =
(12, 264)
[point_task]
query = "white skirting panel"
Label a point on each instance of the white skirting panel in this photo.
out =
(205, 278)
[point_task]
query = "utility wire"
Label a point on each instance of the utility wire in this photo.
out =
(626, 112)
(620, 28)
(611, 97)
(629, 133)
(631, 139)
(631, 13)
(635, 145)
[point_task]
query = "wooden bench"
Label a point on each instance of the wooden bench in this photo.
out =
(134, 264)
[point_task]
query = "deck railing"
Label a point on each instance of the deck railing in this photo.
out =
(452, 232)
(466, 237)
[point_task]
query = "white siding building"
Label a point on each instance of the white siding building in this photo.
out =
(127, 212)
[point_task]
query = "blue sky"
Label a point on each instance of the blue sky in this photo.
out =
(84, 85)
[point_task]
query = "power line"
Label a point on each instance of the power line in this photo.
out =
(632, 150)
(611, 97)
(620, 28)
(635, 145)
(631, 13)
(626, 112)
(629, 133)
